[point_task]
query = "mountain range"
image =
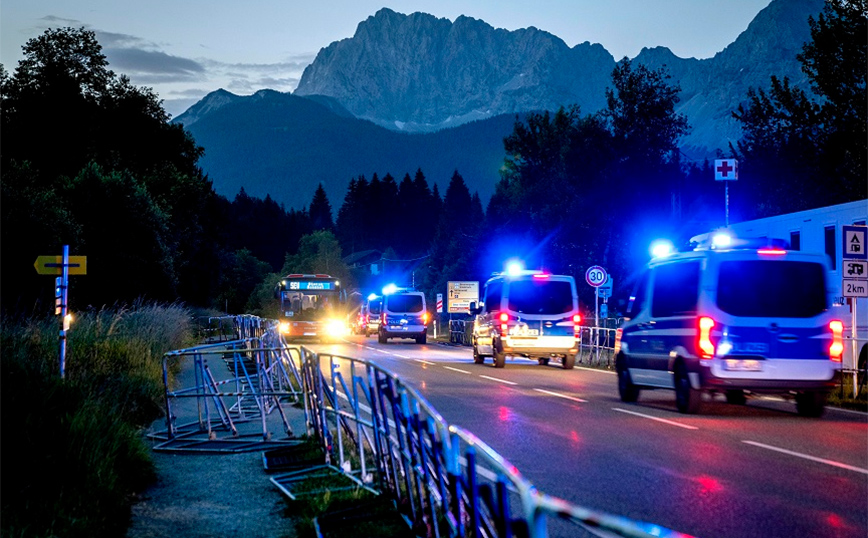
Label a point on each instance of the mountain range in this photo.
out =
(410, 92)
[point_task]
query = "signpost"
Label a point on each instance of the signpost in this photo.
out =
(596, 276)
(854, 279)
(460, 295)
(64, 266)
(726, 170)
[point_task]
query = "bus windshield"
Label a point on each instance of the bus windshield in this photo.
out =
(311, 299)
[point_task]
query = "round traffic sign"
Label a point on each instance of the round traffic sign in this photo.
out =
(596, 276)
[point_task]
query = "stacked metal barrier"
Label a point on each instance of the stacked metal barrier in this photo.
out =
(229, 393)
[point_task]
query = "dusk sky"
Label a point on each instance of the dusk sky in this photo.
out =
(186, 49)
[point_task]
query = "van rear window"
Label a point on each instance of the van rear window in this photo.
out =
(374, 308)
(540, 296)
(773, 289)
(404, 303)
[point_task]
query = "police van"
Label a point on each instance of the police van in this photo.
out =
(734, 321)
(530, 314)
(403, 315)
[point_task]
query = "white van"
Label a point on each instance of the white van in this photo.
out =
(404, 315)
(731, 321)
(530, 314)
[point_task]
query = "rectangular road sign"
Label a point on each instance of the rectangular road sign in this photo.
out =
(53, 265)
(855, 269)
(854, 242)
(854, 288)
(460, 295)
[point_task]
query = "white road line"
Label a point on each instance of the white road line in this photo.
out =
(418, 360)
(498, 380)
(807, 457)
(457, 370)
(559, 395)
(595, 370)
(658, 419)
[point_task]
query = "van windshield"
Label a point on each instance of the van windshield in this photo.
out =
(540, 296)
(404, 303)
(374, 308)
(773, 289)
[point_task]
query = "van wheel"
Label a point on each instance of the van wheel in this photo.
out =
(422, 339)
(569, 361)
(544, 361)
(381, 338)
(499, 355)
(477, 358)
(811, 404)
(687, 398)
(626, 389)
(736, 397)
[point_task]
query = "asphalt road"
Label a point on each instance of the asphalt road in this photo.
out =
(731, 471)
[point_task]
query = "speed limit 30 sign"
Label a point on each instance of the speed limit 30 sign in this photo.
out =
(596, 276)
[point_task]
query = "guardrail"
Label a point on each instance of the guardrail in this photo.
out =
(446, 481)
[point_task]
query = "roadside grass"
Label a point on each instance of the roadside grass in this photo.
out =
(77, 442)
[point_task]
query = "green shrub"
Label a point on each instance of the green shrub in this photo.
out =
(77, 442)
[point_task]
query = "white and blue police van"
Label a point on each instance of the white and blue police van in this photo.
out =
(530, 314)
(732, 321)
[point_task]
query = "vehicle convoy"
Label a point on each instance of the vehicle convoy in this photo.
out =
(312, 307)
(732, 321)
(403, 315)
(530, 314)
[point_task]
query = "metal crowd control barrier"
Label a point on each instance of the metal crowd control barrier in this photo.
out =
(597, 347)
(445, 481)
(237, 405)
(460, 331)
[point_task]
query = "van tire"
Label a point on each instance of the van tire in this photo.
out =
(381, 338)
(687, 398)
(543, 361)
(811, 404)
(422, 339)
(736, 397)
(569, 361)
(626, 389)
(477, 358)
(499, 355)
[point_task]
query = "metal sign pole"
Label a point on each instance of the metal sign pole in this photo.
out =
(63, 309)
(854, 348)
(727, 203)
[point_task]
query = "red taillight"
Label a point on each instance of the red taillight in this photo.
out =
(504, 327)
(704, 345)
(618, 333)
(425, 318)
(383, 318)
(774, 251)
(577, 321)
(541, 275)
(836, 350)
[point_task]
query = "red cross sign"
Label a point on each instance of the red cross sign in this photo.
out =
(725, 169)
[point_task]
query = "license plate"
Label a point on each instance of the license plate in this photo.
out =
(742, 365)
(398, 328)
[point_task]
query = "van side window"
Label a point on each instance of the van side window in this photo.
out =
(492, 295)
(676, 289)
(637, 300)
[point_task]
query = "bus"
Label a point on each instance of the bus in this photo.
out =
(312, 307)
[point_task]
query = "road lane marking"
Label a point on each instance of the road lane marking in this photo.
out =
(457, 370)
(559, 395)
(418, 360)
(595, 370)
(658, 419)
(498, 380)
(807, 457)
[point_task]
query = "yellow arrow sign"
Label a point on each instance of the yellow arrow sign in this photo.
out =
(53, 265)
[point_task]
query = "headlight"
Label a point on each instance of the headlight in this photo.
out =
(336, 327)
(284, 327)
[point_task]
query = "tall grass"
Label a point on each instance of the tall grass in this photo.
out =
(73, 455)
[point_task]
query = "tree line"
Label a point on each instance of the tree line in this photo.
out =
(92, 161)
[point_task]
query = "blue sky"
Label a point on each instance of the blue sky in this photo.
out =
(185, 49)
